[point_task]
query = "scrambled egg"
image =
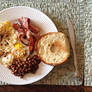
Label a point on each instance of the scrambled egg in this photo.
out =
(5, 27)
(7, 60)
(18, 46)
(10, 45)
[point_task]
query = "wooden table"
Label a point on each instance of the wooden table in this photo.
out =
(45, 88)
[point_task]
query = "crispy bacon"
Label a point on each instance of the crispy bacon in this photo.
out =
(23, 39)
(27, 32)
(16, 26)
(34, 29)
(24, 21)
(31, 44)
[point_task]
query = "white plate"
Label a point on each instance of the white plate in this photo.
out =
(45, 24)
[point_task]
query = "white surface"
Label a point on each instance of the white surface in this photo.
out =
(45, 24)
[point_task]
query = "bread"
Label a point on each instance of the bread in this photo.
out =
(53, 48)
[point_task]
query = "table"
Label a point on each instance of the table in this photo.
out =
(45, 88)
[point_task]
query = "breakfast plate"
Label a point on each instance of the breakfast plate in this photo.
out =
(45, 25)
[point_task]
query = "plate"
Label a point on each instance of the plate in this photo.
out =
(45, 24)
